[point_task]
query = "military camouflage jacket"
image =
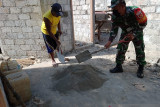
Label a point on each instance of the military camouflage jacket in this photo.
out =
(133, 21)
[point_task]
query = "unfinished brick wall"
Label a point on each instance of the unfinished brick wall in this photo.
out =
(20, 27)
(81, 16)
(20, 22)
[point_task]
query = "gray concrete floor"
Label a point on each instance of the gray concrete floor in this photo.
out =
(120, 90)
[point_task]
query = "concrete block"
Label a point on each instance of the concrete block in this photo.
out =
(20, 23)
(20, 3)
(9, 42)
(31, 23)
(21, 53)
(88, 1)
(35, 47)
(24, 16)
(64, 2)
(11, 52)
(27, 29)
(6, 29)
(10, 23)
(83, 12)
(66, 8)
(31, 53)
(15, 10)
(154, 2)
(32, 2)
(8, 3)
(153, 16)
(77, 3)
(82, 2)
(4, 10)
(10, 35)
(12, 17)
(74, 8)
(14, 47)
(11, 66)
(30, 41)
(19, 42)
(142, 2)
(158, 9)
(37, 29)
(21, 83)
(79, 7)
(25, 47)
(19, 36)
(16, 29)
(67, 45)
(3, 17)
(85, 7)
(36, 9)
(1, 23)
(26, 10)
(35, 16)
(39, 41)
(149, 9)
(41, 54)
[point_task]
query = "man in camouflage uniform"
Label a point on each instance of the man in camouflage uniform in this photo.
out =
(132, 21)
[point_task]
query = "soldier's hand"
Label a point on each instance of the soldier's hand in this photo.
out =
(107, 45)
(130, 37)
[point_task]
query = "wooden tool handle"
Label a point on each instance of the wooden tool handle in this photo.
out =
(104, 48)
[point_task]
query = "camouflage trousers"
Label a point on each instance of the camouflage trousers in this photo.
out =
(139, 49)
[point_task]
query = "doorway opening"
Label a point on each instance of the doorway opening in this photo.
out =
(102, 21)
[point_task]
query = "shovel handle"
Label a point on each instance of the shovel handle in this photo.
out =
(105, 48)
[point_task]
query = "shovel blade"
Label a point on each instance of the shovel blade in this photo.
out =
(83, 56)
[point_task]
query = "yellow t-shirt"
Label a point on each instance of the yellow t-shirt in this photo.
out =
(54, 22)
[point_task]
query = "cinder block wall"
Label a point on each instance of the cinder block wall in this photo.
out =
(81, 16)
(20, 23)
(152, 30)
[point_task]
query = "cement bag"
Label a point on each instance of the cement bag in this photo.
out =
(21, 83)
(11, 66)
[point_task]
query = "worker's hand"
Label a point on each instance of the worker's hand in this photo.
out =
(58, 44)
(60, 32)
(107, 45)
(129, 37)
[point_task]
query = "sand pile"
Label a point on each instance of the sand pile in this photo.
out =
(78, 78)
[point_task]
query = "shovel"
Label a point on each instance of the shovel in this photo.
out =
(88, 55)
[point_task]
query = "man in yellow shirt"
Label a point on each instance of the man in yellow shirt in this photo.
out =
(51, 20)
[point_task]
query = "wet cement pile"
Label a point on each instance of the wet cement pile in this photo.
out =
(78, 78)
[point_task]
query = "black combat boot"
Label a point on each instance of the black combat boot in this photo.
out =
(117, 69)
(140, 71)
